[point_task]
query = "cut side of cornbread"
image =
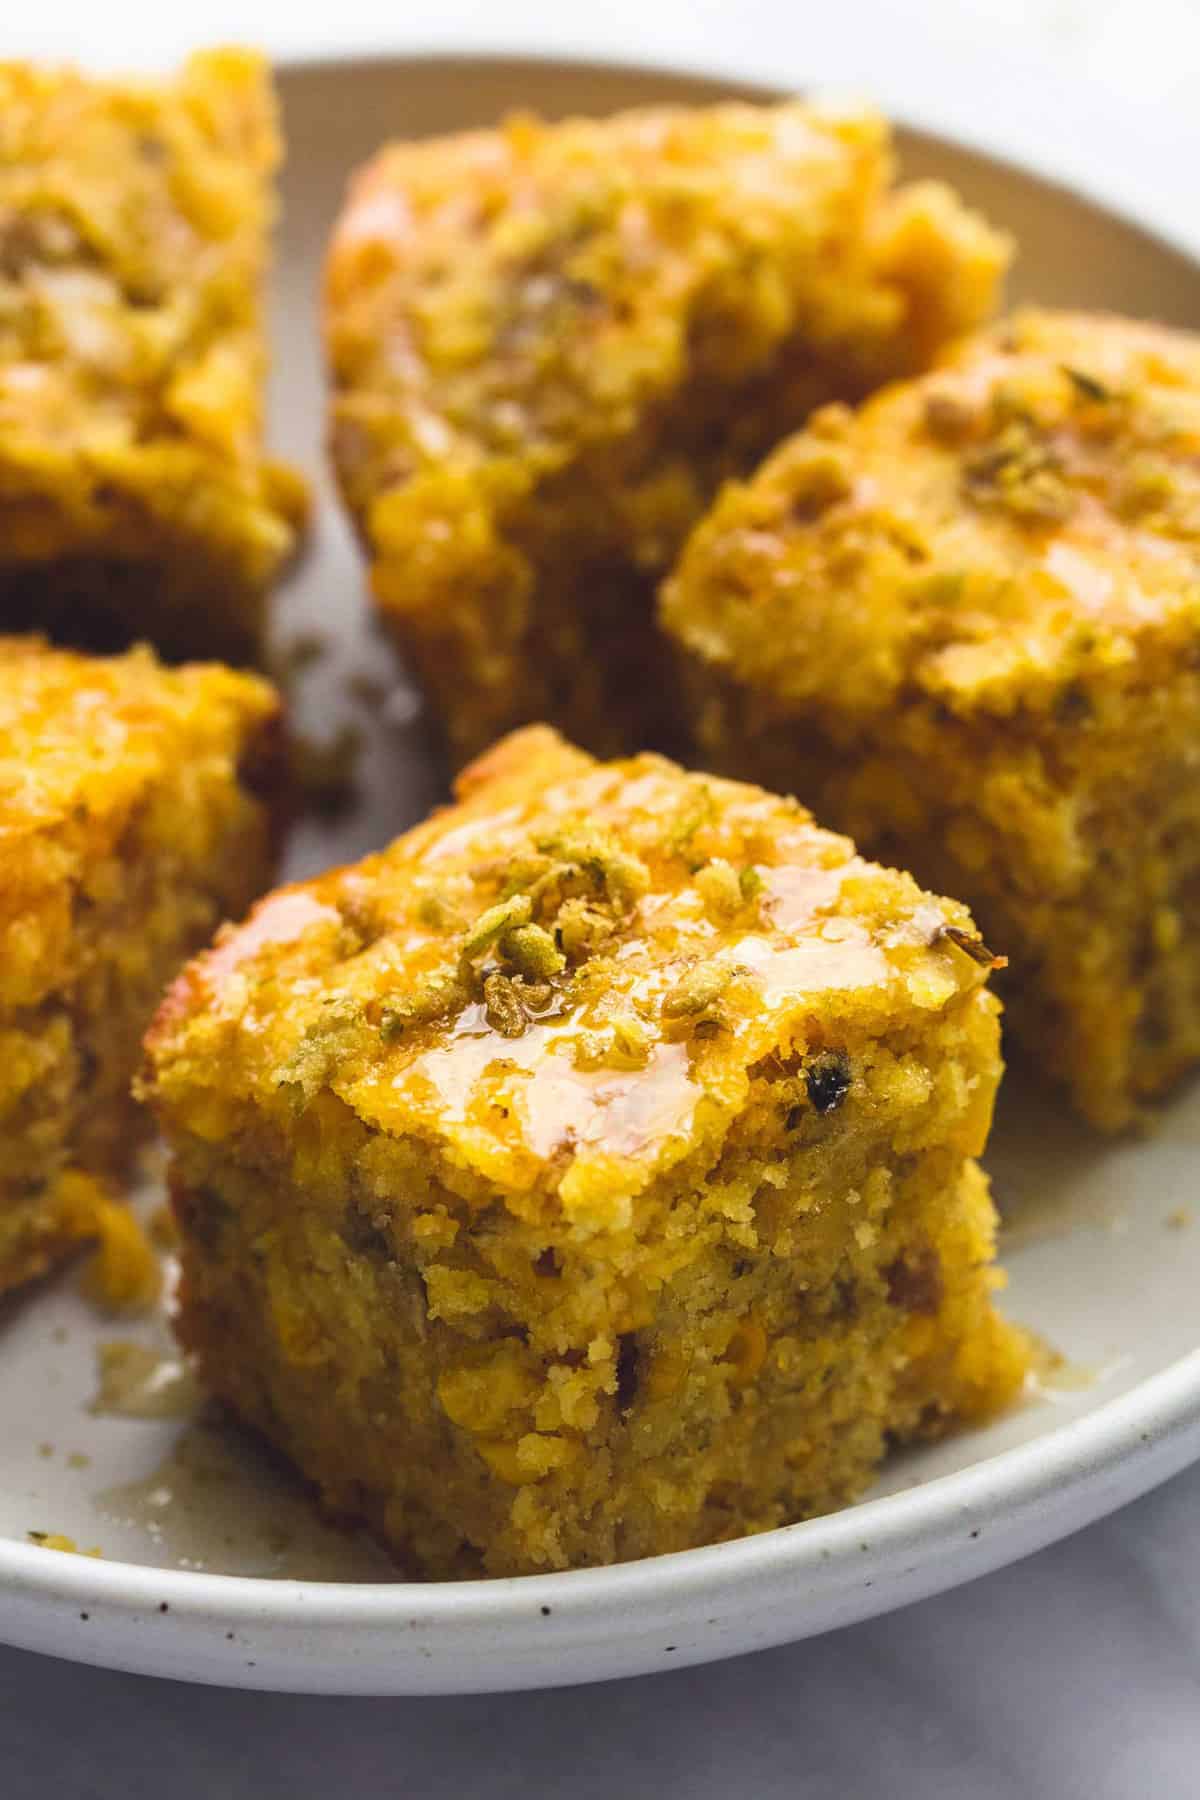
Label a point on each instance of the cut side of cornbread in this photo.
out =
(135, 815)
(549, 345)
(589, 1174)
(966, 621)
(135, 497)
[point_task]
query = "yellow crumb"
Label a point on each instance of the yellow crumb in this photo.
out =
(58, 1540)
(124, 1275)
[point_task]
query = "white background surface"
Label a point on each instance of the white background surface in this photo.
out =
(1075, 1674)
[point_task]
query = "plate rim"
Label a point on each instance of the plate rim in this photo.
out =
(1000, 1507)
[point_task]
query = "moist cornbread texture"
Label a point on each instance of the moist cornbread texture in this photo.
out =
(135, 499)
(549, 344)
(589, 1174)
(133, 819)
(966, 622)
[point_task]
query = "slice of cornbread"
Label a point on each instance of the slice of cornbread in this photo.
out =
(966, 621)
(551, 343)
(134, 817)
(590, 1173)
(135, 498)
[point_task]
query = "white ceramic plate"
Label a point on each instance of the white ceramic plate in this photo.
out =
(214, 1567)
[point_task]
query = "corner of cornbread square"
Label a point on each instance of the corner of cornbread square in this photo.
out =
(589, 1174)
(135, 497)
(965, 621)
(135, 815)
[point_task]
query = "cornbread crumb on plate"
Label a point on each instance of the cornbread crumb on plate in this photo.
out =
(135, 498)
(125, 1274)
(590, 1174)
(58, 1540)
(966, 621)
(550, 344)
(135, 815)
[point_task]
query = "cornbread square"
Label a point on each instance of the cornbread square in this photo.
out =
(966, 621)
(135, 498)
(590, 1173)
(550, 343)
(134, 817)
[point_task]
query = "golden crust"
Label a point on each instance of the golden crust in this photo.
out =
(966, 619)
(134, 220)
(325, 982)
(135, 814)
(551, 343)
(1021, 519)
(519, 1168)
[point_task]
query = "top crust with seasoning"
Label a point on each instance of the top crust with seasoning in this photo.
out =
(986, 538)
(576, 964)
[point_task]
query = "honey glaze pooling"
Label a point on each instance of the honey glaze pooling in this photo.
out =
(214, 1500)
(538, 1087)
(138, 1381)
(845, 958)
(535, 1081)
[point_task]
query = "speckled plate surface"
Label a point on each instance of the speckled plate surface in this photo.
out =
(213, 1566)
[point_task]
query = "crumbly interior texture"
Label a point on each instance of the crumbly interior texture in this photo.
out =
(966, 621)
(549, 344)
(589, 1174)
(135, 499)
(134, 817)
